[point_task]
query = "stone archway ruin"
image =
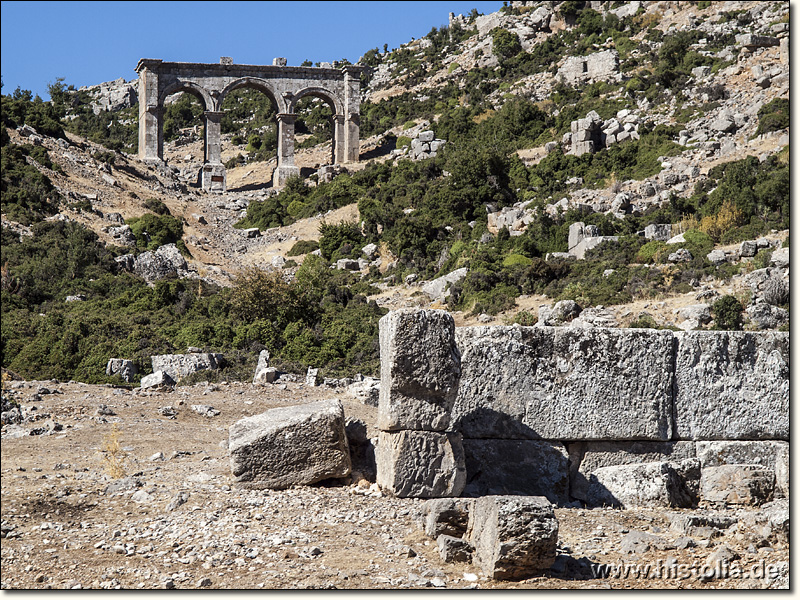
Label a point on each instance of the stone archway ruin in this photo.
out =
(339, 87)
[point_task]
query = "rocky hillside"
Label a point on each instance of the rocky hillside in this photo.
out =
(584, 163)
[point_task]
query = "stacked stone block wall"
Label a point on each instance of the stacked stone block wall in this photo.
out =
(571, 413)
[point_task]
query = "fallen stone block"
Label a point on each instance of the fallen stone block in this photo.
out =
(564, 383)
(179, 366)
(122, 367)
(689, 524)
(646, 485)
(156, 379)
(640, 542)
(518, 467)
(453, 549)
(771, 521)
(732, 385)
(513, 536)
(295, 445)
(420, 464)
(447, 516)
(437, 289)
(367, 391)
(748, 485)
(266, 375)
(586, 457)
(420, 369)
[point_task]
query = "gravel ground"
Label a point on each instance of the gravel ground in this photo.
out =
(175, 520)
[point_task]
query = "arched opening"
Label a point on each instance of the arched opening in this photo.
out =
(315, 124)
(249, 131)
(321, 117)
(183, 132)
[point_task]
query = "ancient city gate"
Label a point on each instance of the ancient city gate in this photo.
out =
(211, 83)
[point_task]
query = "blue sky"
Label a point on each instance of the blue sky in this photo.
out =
(87, 43)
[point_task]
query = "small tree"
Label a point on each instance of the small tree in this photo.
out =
(504, 43)
(727, 313)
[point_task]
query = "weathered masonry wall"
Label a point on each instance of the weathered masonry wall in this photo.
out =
(576, 414)
(210, 83)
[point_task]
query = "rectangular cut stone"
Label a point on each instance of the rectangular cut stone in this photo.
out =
(564, 383)
(293, 445)
(179, 366)
(420, 464)
(771, 454)
(586, 457)
(518, 467)
(514, 536)
(645, 485)
(420, 368)
(748, 485)
(732, 385)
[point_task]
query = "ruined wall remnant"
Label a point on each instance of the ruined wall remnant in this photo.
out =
(211, 83)
(600, 66)
(605, 416)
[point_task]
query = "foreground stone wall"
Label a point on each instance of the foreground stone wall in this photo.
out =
(631, 417)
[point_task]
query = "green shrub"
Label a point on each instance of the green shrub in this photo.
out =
(652, 251)
(773, 116)
(403, 141)
(516, 260)
(153, 231)
(505, 44)
(303, 247)
(157, 206)
(409, 125)
(525, 318)
(644, 321)
(727, 312)
(334, 239)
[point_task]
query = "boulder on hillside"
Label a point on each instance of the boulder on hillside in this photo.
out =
(163, 263)
(436, 289)
(295, 445)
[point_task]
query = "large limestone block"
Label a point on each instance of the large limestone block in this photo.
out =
(772, 454)
(122, 367)
(564, 383)
(420, 368)
(293, 445)
(420, 464)
(513, 536)
(520, 467)
(645, 485)
(179, 366)
(748, 485)
(586, 457)
(732, 385)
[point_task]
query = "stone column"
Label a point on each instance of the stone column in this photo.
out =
(214, 177)
(213, 150)
(351, 138)
(352, 106)
(286, 168)
(339, 150)
(151, 141)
